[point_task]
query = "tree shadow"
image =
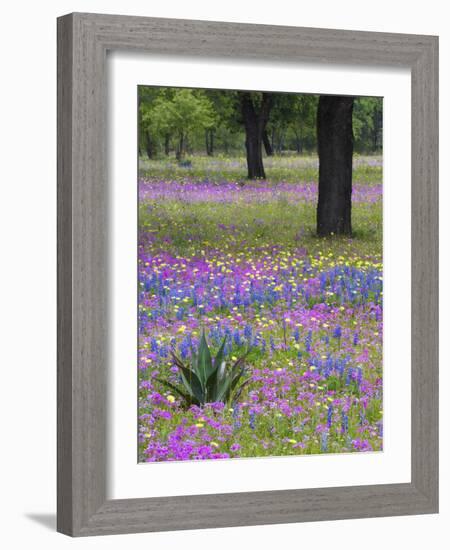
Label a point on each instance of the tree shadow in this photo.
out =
(46, 520)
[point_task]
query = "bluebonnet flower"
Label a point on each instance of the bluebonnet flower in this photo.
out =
(251, 420)
(272, 343)
(330, 416)
(349, 376)
(380, 428)
(184, 348)
(344, 422)
(308, 341)
(263, 345)
(154, 345)
(237, 337)
(359, 375)
(180, 313)
(362, 417)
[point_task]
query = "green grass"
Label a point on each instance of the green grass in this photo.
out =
(185, 227)
(193, 229)
(289, 168)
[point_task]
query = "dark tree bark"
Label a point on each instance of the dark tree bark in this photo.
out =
(149, 145)
(267, 144)
(209, 142)
(280, 145)
(180, 147)
(298, 142)
(167, 145)
(335, 148)
(255, 122)
(377, 130)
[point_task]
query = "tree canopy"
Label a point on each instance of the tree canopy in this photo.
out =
(184, 121)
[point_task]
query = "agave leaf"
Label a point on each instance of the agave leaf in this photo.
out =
(241, 387)
(234, 396)
(220, 377)
(219, 357)
(207, 381)
(239, 368)
(237, 377)
(224, 385)
(204, 360)
(194, 357)
(239, 363)
(231, 392)
(177, 361)
(223, 390)
(188, 376)
(186, 397)
(215, 381)
(211, 386)
(192, 384)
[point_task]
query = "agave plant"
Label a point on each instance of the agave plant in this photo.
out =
(208, 380)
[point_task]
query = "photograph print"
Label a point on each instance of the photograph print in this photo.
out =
(260, 274)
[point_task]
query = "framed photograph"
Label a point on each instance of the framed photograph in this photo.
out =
(247, 274)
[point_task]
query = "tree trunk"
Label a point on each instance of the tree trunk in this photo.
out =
(180, 147)
(267, 144)
(335, 148)
(280, 144)
(253, 146)
(149, 145)
(209, 142)
(298, 141)
(255, 123)
(208, 151)
(377, 130)
(167, 145)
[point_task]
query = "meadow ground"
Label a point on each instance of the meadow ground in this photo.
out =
(240, 260)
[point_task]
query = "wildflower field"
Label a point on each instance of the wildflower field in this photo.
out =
(240, 262)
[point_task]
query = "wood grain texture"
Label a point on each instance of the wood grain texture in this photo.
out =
(83, 196)
(64, 251)
(424, 275)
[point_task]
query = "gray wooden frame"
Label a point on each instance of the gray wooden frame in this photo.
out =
(83, 40)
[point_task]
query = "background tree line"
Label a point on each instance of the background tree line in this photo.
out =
(190, 121)
(180, 121)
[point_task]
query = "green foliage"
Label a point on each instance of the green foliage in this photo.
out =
(183, 112)
(303, 123)
(368, 124)
(209, 380)
(290, 168)
(177, 119)
(292, 123)
(184, 227)
(177, 113)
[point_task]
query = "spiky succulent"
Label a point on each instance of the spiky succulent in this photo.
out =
(208, 380)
